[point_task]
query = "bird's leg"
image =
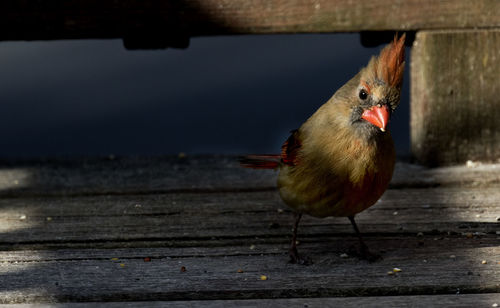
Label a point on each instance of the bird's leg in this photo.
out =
(294, 255)
(364, 251)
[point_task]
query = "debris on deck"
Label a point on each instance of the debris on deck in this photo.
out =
(202, 229)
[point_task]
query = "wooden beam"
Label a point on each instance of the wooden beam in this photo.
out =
(455, 105)
(172, 21)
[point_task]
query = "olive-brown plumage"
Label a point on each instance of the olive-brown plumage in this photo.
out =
(340, 161)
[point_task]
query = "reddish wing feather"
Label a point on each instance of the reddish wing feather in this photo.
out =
(264, 161)
(289, 155)
(290, 149)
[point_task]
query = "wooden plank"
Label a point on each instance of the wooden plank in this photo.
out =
(473, 174)
(456, 301)
(171, 174)
(68, 245)
(129, 175)
(157, 20)
(399, 246)
(442, 267)
(454, 103)
(202, 216)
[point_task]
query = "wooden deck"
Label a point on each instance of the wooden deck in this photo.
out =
(146, 231)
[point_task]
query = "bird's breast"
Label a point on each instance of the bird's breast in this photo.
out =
(340, 181)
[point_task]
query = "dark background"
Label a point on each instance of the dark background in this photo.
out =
(224, 95)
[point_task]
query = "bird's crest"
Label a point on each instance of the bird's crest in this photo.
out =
(389, 65)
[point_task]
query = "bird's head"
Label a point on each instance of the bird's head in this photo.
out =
(379, 87)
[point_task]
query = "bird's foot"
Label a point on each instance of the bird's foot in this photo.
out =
(295, 258)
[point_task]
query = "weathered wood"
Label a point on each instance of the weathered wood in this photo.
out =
(454, 98)
(170, 22)
(170, 174)
(201, 216)
(87, 237)
(130, 175)
(445, 266)
(456, 301)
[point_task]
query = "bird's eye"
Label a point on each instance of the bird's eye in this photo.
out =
(363, 95)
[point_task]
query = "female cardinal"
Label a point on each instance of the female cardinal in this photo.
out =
(340, 161)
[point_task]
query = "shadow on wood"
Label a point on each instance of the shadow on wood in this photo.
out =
(131, 229)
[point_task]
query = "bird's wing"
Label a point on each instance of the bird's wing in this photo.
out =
(290, 149)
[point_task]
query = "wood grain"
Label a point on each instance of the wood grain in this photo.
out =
(107, 231)
(454, 101)
(170, 174)
(213, 273)
(201, 216)
(457, 301)
(168, 21)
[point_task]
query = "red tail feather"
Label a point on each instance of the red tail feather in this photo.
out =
(270, 161)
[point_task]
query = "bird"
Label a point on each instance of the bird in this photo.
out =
(340, 161)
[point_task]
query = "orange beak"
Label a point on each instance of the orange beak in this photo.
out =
(378, 116)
